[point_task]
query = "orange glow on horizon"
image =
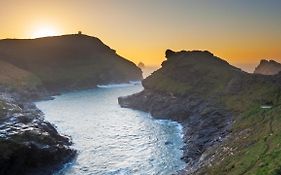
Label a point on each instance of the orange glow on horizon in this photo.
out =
(143, 30)
(44, 31)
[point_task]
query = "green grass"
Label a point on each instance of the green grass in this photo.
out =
(16, 78)
(190, 75)
(254, 146)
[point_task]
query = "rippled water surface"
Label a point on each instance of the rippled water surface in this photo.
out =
(112, 140)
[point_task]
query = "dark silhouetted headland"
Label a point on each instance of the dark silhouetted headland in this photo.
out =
(69, 62)
(33, 69)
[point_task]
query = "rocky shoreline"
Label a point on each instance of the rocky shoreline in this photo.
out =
(226, 128)
(28, 143)
(207, 124)
(36, 69)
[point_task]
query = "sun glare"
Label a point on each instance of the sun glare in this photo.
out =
(44, 31)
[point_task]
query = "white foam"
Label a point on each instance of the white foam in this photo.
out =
(131, 83)
(266, 107)
(171, 122)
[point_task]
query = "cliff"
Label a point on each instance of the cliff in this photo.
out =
(69, 61)
(226, 128)
(268, 67)
(190, 71)
(35, 69)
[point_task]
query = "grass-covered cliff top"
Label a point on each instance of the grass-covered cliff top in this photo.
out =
(69, 60)
(192, 71)
(254, 145)
(202, 74)
(16, 78)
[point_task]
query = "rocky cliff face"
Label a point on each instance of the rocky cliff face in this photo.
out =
(215, 102)
(205, 124)
(28, 144)
(69, 62)
(268, 67)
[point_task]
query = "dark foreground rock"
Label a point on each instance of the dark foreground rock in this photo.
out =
(28, 143)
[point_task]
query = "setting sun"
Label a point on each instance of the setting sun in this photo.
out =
(140, 87)
(44, 31)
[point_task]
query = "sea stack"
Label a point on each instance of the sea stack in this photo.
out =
(268, 67)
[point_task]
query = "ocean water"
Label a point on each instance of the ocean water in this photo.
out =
(111, 140)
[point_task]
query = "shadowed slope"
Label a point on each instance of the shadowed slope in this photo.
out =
(16, 78)
(28, 144)
(69, 61)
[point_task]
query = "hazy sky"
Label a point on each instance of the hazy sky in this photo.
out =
(241, 31)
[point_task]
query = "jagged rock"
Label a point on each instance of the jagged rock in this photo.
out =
(141, 65)
(203, 123)
(28, 144)
(169, 53)
(268, 67)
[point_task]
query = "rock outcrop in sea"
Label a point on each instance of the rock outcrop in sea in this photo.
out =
(268, 67)
(219, 106)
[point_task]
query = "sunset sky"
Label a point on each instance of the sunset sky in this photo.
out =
(241, 31)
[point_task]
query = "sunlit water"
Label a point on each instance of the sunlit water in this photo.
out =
(112, 140)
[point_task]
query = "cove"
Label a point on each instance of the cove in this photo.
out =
(113, 140)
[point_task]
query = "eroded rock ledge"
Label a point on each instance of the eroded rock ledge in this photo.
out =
(28, 143)
(205, 126)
